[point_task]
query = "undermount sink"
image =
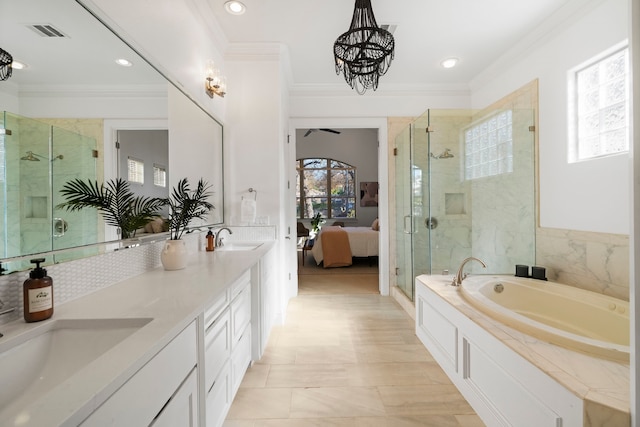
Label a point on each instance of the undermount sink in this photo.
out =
(35, 362)
(239, 246)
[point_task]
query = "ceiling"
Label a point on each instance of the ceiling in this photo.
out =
(85, 56)
(477, 32)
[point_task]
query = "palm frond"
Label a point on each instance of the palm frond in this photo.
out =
(115, 201)
(186, 205)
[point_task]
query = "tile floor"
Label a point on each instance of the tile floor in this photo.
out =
(347, 358)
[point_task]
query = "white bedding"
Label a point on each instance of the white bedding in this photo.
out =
(363, 242)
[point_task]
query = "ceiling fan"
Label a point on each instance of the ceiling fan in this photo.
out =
(324, 130)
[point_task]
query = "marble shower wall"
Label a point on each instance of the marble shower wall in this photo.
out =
(450, 199)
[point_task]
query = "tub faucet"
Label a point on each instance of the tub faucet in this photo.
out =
(460, 276)
(219, 239)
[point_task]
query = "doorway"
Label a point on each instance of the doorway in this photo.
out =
(377, 129)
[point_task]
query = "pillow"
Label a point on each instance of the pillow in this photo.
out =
(157, 225)
(375, 225)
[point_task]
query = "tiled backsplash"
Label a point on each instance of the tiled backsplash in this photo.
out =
(74, 279)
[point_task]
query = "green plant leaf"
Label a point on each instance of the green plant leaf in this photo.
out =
(115, 201)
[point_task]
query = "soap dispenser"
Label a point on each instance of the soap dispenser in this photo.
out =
(210, 241)
(38, 294)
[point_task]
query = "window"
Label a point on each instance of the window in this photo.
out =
(488, 146)
(159, 176)
(599, 106)
(136, 170)
(326, 186)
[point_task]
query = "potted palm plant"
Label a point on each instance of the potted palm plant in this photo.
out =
(185, 205)
(115, 201)
(316, 222)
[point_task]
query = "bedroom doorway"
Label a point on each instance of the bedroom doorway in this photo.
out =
(327, 141)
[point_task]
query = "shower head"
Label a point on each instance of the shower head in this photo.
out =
(30, 157)
(33, 157)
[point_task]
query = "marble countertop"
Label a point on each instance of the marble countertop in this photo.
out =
(603, 385)
(173, 299)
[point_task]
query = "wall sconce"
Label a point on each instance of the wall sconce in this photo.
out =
(214, 84)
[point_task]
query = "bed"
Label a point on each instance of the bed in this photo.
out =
(344, 243)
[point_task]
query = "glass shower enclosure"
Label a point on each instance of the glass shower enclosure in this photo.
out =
(464, 186)
(36, 160)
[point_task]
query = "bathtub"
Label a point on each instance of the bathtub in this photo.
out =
(563, 315)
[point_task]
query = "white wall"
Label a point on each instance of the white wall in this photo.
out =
(591, 195)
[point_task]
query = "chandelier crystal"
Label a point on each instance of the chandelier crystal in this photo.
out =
(364, 52)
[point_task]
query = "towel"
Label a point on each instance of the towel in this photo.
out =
(248, 211)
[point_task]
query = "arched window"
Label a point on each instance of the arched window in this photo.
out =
(326, 186)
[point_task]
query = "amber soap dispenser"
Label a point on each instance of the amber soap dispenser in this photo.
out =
(38, 294)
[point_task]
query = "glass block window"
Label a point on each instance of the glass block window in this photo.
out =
(136, 170)
(488, 146)
(159, 175)
(599, 112)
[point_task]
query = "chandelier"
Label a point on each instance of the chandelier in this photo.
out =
(5, 64)
(363, 53)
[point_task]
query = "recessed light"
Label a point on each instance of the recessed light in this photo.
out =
(124, 62)
(235, 7)
(17, 65)
(449, 62)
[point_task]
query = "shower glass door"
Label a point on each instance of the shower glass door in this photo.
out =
(36, 159)
(73, 156)
(404, 269)
(412, 204)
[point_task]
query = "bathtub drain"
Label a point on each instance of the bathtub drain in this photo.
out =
(498, 287)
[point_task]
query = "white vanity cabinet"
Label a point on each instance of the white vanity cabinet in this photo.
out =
(264, 301)
(162, 393)
(227, 348)
(241, 331)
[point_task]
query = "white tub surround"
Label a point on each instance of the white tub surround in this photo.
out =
(511, 378)
(175, 301)
(580, 320)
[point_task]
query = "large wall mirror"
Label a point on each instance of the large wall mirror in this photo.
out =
(60, 119)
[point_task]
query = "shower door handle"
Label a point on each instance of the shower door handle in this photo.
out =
(410, 231)
(59, 227)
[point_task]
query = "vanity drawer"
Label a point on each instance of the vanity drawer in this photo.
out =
(239, 285)
(240, 314)
(219, 399)
(216, 308)
(217, 347)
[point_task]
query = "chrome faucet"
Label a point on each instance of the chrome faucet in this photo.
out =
(219, 239)
(460, 276)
